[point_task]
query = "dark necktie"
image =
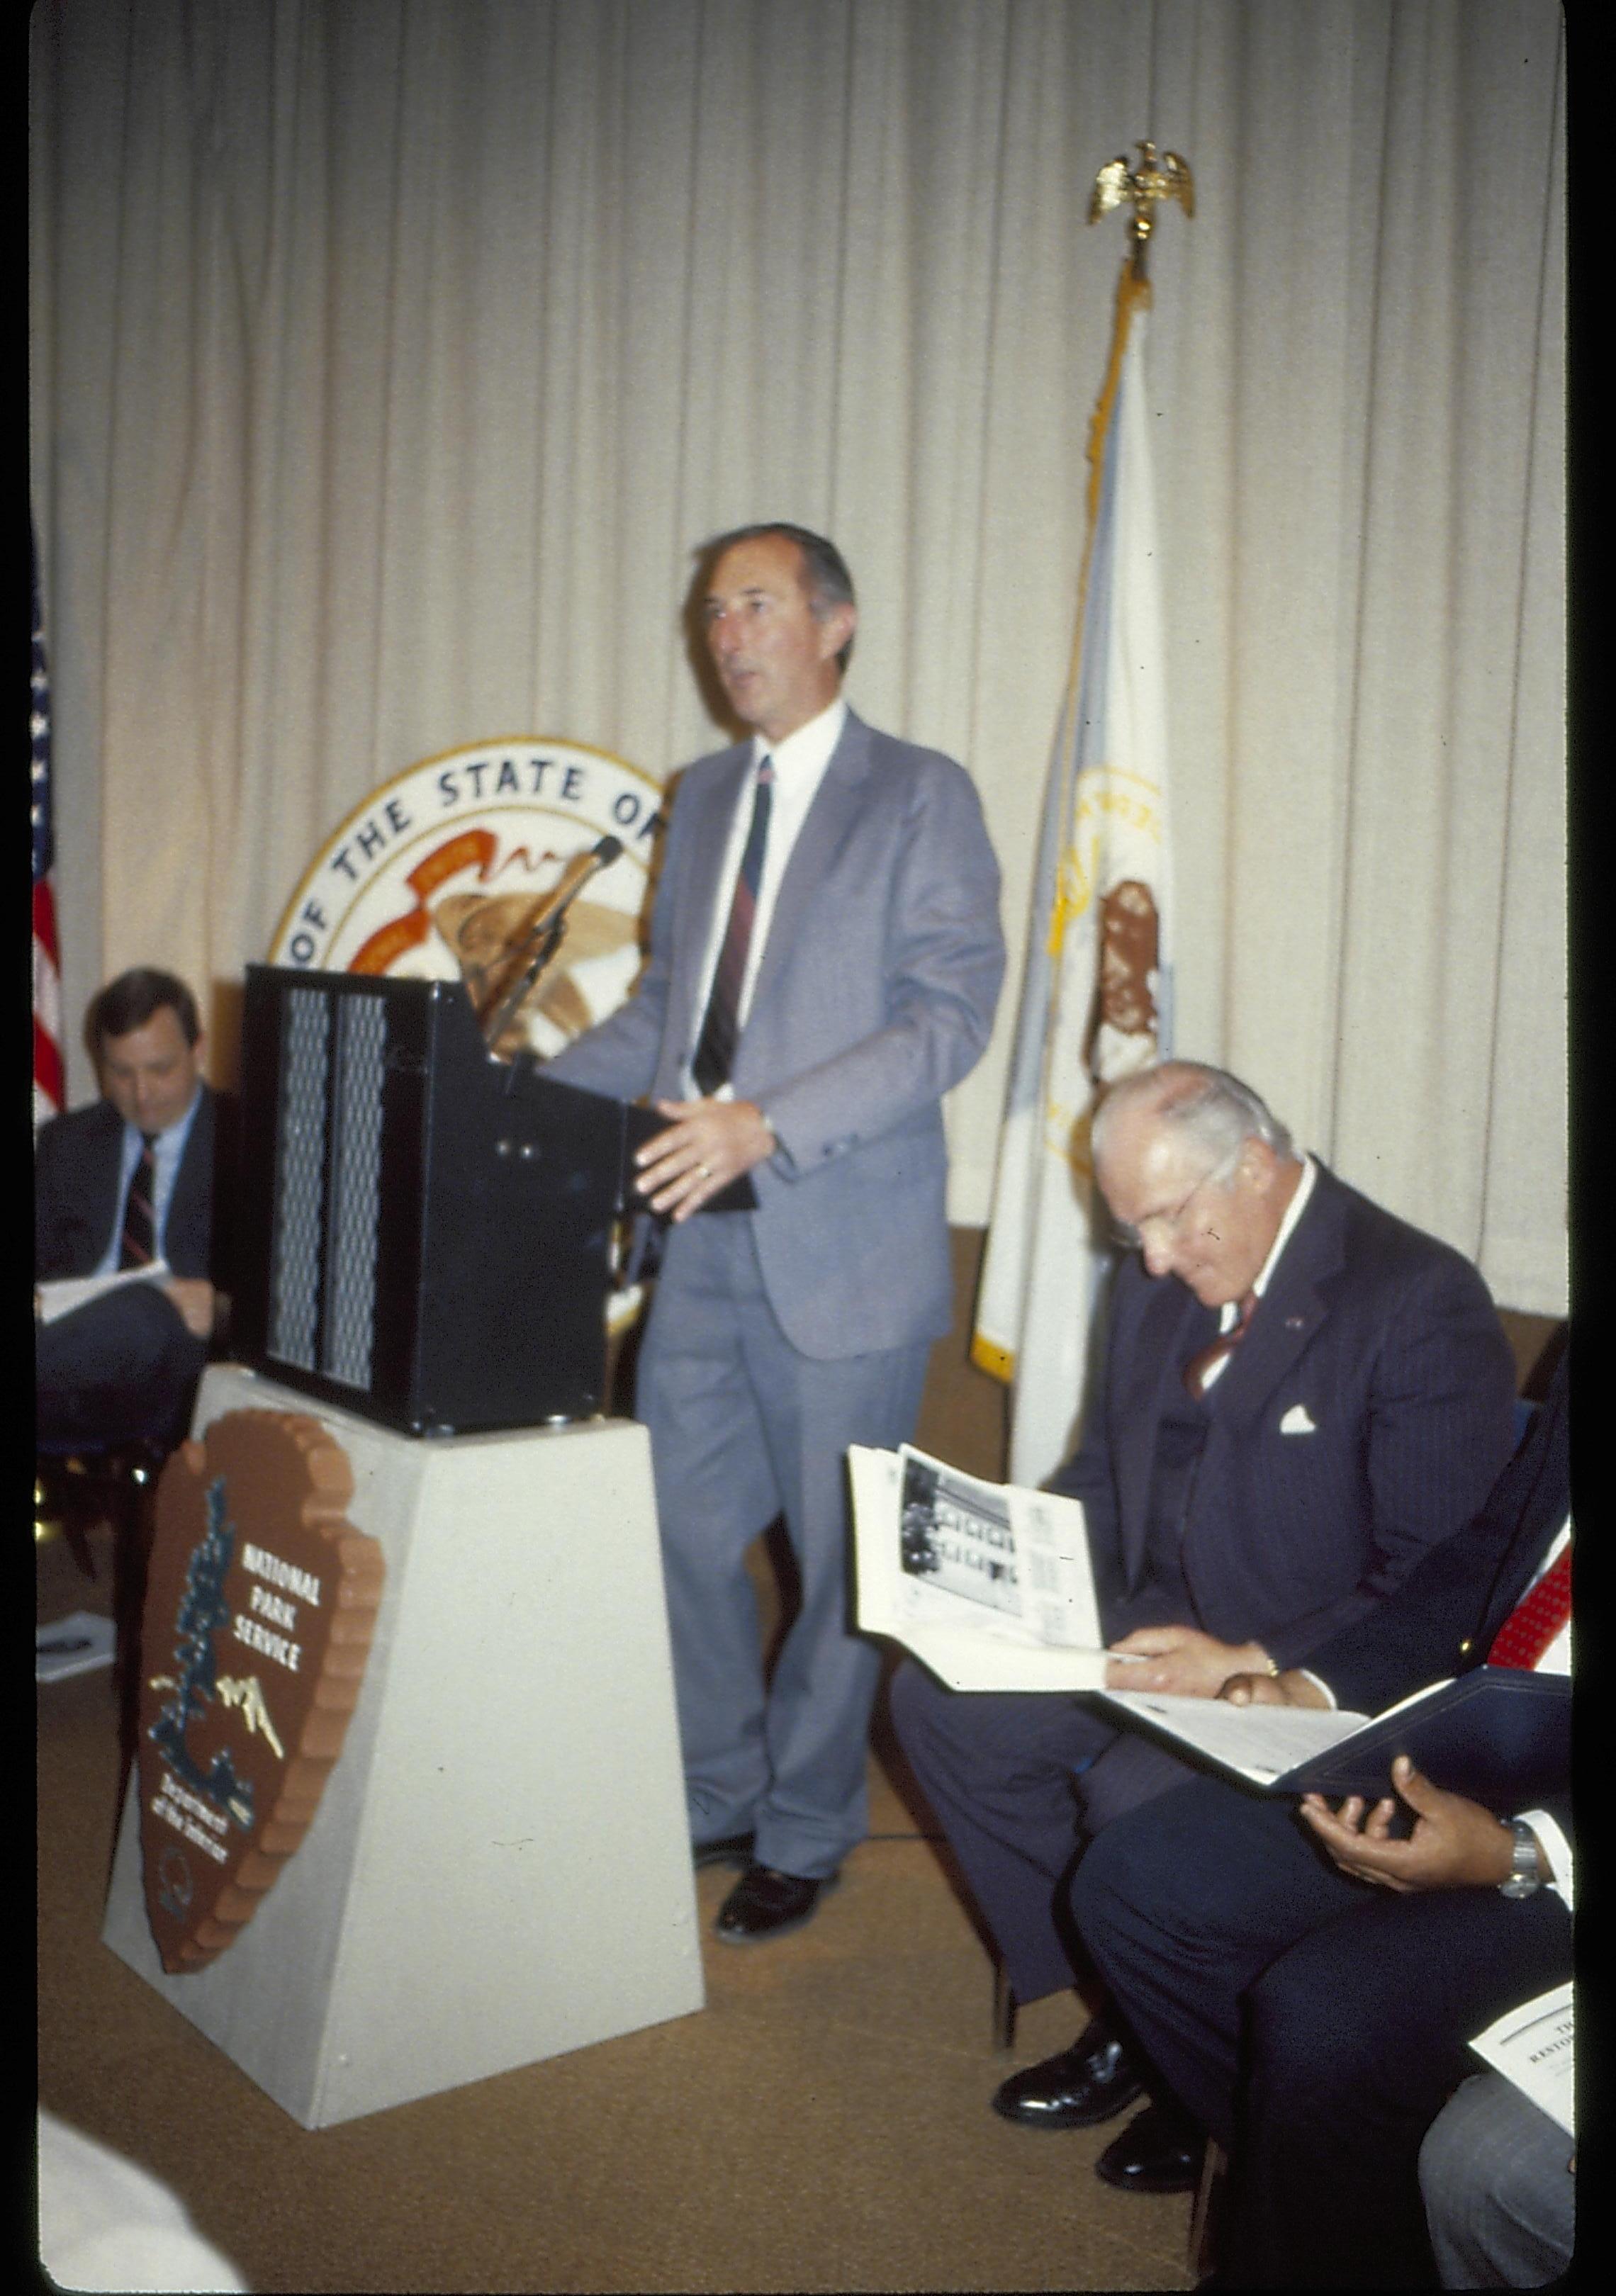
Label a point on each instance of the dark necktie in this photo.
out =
(1537, 1618)
(1196, 1371)
(716, 1047)
(138, 1247)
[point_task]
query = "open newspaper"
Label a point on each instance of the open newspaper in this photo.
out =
(1535, 2047)
(989, 1584)
(60, 1294)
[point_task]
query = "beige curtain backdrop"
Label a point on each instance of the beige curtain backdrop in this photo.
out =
(390, 356)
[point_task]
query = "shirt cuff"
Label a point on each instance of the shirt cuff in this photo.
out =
(780, 1157)
(1556, 1848)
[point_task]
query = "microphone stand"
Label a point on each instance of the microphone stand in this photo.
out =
(553, 928)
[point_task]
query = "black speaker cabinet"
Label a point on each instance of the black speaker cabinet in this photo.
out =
(424, 1230)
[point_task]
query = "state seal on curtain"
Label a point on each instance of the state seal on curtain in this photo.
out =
(443, 872)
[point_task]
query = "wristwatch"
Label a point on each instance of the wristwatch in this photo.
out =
(1523, 1874)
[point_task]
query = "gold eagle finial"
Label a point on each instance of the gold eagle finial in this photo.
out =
(1145, 185)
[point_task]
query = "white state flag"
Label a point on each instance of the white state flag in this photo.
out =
(1096, 1000)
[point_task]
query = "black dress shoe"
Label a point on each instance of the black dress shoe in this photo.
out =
(764, 1904)
(1086, 2083)
(1158, 2152)
(724, 1849)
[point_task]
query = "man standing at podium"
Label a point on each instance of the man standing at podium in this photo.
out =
(825, 959)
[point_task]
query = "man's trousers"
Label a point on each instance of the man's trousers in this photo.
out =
(1019, 1781)
(1314, 2024)
(1500, 2191)
(124, 1366)
(744, 1428)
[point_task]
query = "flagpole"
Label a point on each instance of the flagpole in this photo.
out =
(1096, 987)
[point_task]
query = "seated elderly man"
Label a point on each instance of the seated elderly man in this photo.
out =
(1301, 1395)
(1313, 2014)
(140, 1178)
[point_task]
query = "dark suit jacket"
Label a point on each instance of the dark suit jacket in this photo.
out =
(1443, 1621)
(875, 994)
(76, 1181)
(1361, 1421)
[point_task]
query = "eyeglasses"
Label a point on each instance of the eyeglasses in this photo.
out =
(1166, 1227)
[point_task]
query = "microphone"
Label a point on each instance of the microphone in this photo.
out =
(549, 927)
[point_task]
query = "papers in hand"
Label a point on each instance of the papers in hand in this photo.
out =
(61, 1295)
(1534, 2047)
(1499, 1734)
(989, 1584)
(1263, 1743)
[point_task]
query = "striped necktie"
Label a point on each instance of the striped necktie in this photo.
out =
(138, 1247)
(1201, 1365)
(716, 1047)
(1537, 1618)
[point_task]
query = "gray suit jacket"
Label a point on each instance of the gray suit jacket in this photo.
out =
(875, 994)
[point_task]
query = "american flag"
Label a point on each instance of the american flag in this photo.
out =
(47, 980)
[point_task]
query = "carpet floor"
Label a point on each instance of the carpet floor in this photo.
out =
(823, 2124)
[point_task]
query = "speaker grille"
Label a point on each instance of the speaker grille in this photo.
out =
(294, 1298)
(356, 1178)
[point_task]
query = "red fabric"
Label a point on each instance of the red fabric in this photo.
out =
(1537, 1618)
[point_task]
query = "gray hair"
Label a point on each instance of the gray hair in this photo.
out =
(1209, 1105)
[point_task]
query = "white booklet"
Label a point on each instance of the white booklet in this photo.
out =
(1534, 2047)
(991, 1585)
(1263, 1743)
(76, 1645)
(62, 1293)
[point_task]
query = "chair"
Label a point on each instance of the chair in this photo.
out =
(1004, 2009)
(1203, 2213)
(78, 1485)
(75, 1486)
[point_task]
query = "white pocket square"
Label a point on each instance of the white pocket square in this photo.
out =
(1297, 1421)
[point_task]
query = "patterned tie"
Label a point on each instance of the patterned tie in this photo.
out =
(1199, 1366)
(1537, 1618)
(138, 1247)
(715, 1049)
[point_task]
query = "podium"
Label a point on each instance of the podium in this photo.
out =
(424, 1233)
(499, 1869)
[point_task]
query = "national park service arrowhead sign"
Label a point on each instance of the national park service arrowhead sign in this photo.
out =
(261, 1602)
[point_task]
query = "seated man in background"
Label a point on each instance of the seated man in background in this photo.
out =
(1301, 1395)
(1315, 2026)
(141, 1177)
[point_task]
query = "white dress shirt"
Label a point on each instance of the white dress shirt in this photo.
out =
(1229, 1315)
(800, 764)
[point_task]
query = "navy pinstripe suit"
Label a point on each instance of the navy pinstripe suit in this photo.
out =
(1362, 1419)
